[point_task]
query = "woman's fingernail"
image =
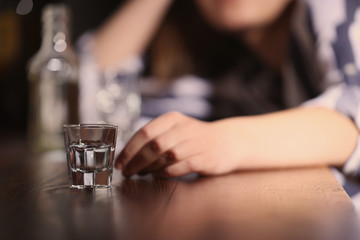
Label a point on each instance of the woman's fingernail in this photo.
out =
(119, 165)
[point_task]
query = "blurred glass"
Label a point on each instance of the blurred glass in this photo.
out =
(53, 78)
(119, 102)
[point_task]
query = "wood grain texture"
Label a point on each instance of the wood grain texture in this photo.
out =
(36, 203)
(283, 204)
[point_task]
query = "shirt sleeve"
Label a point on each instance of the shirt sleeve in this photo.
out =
(337, 29)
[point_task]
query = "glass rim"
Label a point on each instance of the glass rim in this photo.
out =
(91, 125)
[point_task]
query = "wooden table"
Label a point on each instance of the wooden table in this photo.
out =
(36, 203)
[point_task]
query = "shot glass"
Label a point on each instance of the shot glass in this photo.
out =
(90, 150)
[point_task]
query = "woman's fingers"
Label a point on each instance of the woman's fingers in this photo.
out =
(164, 160)
(167, 148)
(152, 151)
(144, 136)
(186, 166)
(173, 155)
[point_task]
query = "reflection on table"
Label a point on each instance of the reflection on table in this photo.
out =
(36, 203)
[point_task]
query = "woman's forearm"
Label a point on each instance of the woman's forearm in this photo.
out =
(175, 144)
(296, 137)
(128, 31)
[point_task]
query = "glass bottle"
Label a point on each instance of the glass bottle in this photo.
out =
(53, 82)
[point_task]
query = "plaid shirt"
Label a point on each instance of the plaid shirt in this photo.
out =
(336, 25)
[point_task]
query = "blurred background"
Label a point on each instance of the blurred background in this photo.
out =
(20, 38)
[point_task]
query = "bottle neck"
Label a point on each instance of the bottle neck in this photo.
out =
(55, 32)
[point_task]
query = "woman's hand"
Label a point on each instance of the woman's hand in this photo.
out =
(174, 145)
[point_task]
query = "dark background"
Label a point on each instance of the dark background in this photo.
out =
(20, 38)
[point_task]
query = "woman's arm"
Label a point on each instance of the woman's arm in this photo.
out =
(128, 31)
(296, 137)
(174, 144)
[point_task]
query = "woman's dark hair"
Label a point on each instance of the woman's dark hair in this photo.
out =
(185, 43)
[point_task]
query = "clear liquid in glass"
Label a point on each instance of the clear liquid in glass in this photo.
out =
(90, 164)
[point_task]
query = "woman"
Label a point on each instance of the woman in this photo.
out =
(301, 52)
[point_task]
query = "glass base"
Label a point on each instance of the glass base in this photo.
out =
(81, 180)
